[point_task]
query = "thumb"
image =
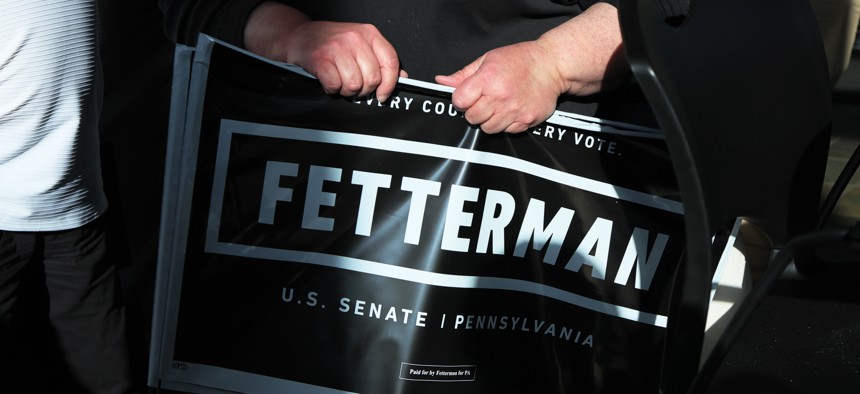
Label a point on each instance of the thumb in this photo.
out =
(455, 79)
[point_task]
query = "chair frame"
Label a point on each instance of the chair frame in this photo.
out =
(717, 84)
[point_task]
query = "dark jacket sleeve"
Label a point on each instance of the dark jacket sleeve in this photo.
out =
(585, 3)
(672, 9)
(225, 20)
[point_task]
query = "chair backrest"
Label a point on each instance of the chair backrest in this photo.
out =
(741, 90)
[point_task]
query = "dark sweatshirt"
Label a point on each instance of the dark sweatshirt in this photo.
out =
(431, 37)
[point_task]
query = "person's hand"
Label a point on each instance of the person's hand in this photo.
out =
(508, 89)
(516, 87)
(349, 59)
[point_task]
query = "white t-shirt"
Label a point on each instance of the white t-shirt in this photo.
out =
(50, 178)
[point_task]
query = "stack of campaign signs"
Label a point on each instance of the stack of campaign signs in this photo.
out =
(320, 244)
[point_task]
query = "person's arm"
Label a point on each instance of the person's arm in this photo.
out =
(348, 58)
(515, 87)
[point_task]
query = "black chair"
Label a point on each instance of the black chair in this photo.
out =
(742, 92)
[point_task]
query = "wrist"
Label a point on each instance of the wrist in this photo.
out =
(270, 30)
(588, 50)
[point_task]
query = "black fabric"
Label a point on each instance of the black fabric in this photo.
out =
(442, 36)
(62, 326)
(225, 19)
(674, 11)
(586, 3)
(431, 37)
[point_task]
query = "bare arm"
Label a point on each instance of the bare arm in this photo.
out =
(517, 86)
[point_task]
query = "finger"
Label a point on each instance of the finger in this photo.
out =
(389, 67)
(350, 75)
(500, 122)
(369, 68)
(449, 80)
(479, 114)
(468, 94)
(461, 75)
(329, 77)
(467, 90)
(516, 127)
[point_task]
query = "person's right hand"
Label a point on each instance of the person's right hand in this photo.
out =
(349, 59)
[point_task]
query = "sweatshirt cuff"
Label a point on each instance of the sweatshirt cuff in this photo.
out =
(228, 22)
(588, 3)
(584, 4)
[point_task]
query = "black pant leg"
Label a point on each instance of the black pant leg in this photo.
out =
(26, 347)
(86, 309)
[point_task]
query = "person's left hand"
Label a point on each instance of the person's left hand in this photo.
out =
(507, 89)
(516, 87)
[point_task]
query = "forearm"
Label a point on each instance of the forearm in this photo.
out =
(587, 51)
(270, 30)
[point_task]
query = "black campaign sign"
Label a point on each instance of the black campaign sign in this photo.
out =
(358, 246)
